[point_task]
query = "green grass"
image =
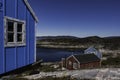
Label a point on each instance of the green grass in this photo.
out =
(111, 62)
(47, 68)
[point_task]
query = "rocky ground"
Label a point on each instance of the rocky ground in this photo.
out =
(54, 72)
(97, 74)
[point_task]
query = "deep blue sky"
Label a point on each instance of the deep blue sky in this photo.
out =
(77, 17)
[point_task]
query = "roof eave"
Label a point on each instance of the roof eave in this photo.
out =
(31, 10)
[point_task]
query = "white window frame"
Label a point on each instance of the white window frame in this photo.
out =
(15, 22)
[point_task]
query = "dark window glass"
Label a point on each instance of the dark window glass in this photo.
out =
(19, 27)
(19, 37)
(10, 37)
(10, 26)
(15, 33)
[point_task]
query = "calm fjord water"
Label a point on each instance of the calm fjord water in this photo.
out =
(53, 55)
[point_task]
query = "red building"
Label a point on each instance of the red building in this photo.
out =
(81, 61)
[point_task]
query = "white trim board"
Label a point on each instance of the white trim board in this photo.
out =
(31, 10)
(73, 57)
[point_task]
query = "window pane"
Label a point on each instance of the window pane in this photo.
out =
(14, 32)
(10, 26)
(19, 37)
(19, 27)
(10, 37)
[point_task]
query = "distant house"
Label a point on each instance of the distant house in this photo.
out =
(92, 50)
(17, 35)
(81, 61)
(90, 58)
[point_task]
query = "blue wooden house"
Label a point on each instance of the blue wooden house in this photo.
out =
(92, 50)
(17, 35)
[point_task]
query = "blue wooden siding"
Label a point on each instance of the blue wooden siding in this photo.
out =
(21, 11)
(2, 64)
(32, 40)
(20, 56)
(15, 57)
(21, 52)
(27, 37)
(11, 8)
(10, 59)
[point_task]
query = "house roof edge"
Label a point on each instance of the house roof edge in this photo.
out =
(31, 10)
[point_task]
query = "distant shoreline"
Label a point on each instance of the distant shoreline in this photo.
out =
(104, 51)
(61, 47)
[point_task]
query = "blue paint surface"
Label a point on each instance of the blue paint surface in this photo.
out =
(20, 56)
(17, 56)
(2, 66)
(10, 8)
(10, 59)
(21, 11)
(27, 37)
(32, 40)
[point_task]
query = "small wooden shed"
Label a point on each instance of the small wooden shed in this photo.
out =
(81, 61)
(17, 35)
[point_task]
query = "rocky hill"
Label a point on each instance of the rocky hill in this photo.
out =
(111, 43)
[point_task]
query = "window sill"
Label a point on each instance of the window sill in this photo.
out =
(15, 45)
